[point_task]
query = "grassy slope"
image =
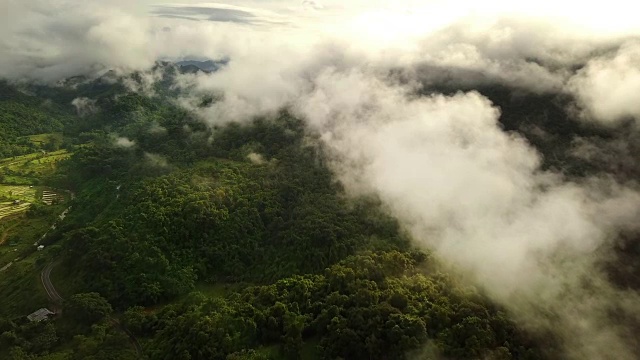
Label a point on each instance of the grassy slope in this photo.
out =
(28, 169)
(22, 292)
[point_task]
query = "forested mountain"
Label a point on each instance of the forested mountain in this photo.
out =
(236, 241)
(319, 179)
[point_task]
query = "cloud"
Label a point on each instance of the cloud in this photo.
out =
(84, 106)
(205, 13)
(156, 160)
(124, 142)
(49, 41)
(143, 81)
(157, 129)
(607, 87)
(316, 5)
(442, 165)
(256, 158)
(478, 197)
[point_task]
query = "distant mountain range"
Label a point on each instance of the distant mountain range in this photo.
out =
(195, 65)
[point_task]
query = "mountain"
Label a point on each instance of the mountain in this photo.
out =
(240, 234)
(205, 65)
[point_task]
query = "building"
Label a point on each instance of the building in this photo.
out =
(40, 314)
(40, 247)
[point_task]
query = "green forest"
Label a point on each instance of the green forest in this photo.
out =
(181, 245)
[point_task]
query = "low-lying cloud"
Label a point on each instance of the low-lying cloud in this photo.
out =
(457, 182)
(607, 87)
(477, 196)
(123, 142)
(156, 160)
(84, 106)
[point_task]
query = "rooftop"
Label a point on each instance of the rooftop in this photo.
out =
(39, 315)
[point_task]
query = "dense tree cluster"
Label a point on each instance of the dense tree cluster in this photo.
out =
(370, 306)
(22, 114)
(217, 221)
(166, 204)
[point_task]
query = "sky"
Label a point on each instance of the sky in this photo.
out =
(39, 36)
(441, 164)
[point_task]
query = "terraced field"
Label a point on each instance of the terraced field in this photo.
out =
(25, 195)
(8, 209)
(28, 168)
(12, 192)
(34, 161)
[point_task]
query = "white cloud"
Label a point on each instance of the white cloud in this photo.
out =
(124, 142)
(157, 129)
(84, 106)
(256, 158)
(156, 160)
(441, 165)
(477, 196)
(49, 41)
(607, 87)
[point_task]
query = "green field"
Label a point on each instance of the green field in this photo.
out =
(12, 192)
(8, 193)
(34, 161)
(8, 209)
(22, 291)
(41, 139)
(27, 169)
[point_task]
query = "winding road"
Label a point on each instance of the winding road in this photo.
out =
(45, 277)
(56, 300)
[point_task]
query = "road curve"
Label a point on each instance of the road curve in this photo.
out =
(56, 299)
(45, 277)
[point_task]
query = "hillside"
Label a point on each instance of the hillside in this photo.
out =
(236, 241)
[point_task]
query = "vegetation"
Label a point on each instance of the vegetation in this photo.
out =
(231, 242)
(373, 306)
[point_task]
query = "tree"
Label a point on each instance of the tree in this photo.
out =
(17, 353)
(45, 339)
(87, 308)
(135, 319)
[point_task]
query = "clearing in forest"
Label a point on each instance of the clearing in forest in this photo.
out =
(15, 199)
(27, 169)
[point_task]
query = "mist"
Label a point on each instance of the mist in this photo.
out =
(477, 196)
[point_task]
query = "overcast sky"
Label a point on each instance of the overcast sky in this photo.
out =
(50, 39)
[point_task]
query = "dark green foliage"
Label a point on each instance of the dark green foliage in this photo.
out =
(185, 205)
(215, 220)
(352, 308)
(221, 221)
(87, 308)
(35, 338)
(247, 355)
(39, 209)
(22, 114)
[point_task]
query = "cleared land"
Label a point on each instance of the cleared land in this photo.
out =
(15, 200)
(41, 139)
(33, 165)
(8, 209)
(13, 192)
